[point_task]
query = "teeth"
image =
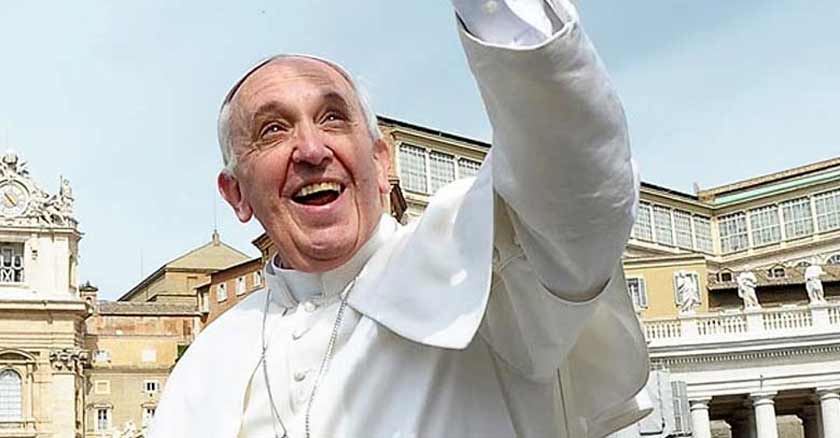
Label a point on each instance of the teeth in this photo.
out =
(318, 187)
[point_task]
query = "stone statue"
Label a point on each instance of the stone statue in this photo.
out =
(688, 291)
(11, 164)
(813, 284)
(746, 290)
(64, 201)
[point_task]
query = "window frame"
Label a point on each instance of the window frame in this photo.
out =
(99, 420)
(153, 382)
(765, 225)
(739, 233)
(11, 404)
(642, 302)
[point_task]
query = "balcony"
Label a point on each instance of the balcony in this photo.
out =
(744, 325)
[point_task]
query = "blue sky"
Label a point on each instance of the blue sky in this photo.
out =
(121, 97)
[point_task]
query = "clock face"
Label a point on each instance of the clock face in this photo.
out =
(14, 198)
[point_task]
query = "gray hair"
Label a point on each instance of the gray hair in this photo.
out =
(224, 130)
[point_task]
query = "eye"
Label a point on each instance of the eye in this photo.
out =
(333, 116)
(271, 129)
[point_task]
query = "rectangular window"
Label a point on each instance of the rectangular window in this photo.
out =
(765, 225)
(221, 292)
(413, 168)
(636, 288)
(151, 386)
(797, 217)
(682, 409)
(257, 278)
(204, 301)
(103, 419)
(733, 232)
(827, 206)
(102, 387)
(703, 234)
(11, 262)
(442, 170)
(682, 229)
(467, 168)
(240, 285)
(662, 225)
(642, 228)
(148, 415)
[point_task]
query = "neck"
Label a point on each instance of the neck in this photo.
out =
(305, 285)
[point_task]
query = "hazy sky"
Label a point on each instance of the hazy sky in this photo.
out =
(121, 97)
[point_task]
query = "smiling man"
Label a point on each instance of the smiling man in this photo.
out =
(501, 312)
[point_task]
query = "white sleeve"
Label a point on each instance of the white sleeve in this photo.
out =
(508, 22)
(560, 157)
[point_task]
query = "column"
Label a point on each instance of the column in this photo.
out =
(811, 421)
(830, 410)
(743, 423)
(701, 426)
(765, 415)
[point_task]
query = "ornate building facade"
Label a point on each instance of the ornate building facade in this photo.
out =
(42, 355)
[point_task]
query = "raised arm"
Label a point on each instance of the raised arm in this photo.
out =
(560, 155)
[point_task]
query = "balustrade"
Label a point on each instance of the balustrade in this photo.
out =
(834, 315)
(787, 319)
(730, 325)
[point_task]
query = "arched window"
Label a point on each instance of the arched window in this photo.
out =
(11, 399)
(834, 260)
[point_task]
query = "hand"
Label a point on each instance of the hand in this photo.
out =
(522, 22)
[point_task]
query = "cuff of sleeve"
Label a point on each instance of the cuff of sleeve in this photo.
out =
(505, 27)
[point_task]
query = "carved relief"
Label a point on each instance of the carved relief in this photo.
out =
(69, 360)
(23, 202)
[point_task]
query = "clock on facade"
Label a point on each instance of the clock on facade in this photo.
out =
(14, 198)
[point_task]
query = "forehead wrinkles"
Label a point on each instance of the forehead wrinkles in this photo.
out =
(280, 73)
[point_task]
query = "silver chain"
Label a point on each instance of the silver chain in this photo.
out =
(325, 363)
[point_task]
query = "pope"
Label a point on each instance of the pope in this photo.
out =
(501, 312)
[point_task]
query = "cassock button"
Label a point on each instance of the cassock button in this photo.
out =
(300, 376)
(309, 306)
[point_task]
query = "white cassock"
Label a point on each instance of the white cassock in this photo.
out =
(501, 312)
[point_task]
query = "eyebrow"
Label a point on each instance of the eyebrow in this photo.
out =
(328, 97)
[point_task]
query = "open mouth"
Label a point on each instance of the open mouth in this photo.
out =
(318, 193)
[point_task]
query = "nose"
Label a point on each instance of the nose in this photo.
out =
(310, 147)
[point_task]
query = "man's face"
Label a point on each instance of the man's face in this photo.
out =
(307, 167)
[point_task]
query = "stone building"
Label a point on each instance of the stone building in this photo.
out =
(72, 365)
(42, 355)
(133, 347)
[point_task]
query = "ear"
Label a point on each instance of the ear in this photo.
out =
(382, 159)
(229, 188)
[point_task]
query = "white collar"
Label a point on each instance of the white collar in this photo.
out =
(288, 286)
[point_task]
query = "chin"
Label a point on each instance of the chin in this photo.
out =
(324, 251)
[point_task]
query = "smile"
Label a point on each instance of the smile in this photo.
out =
(318, 194)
